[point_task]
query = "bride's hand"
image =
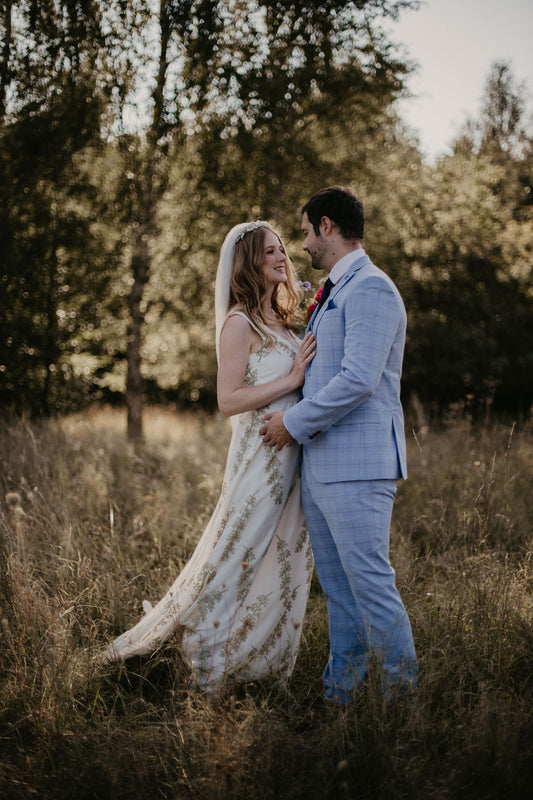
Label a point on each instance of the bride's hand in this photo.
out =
(305, 354)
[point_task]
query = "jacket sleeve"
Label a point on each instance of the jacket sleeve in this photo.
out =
(373, 314)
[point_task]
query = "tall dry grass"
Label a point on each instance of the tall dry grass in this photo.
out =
(89, 526)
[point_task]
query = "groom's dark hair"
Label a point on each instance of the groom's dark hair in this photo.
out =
(341, 206)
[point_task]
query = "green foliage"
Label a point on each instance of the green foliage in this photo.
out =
(133, 135)
(470, 316)
(54, 254)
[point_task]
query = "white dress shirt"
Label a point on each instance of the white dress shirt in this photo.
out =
(338, 270)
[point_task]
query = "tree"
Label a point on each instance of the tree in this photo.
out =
(232, 102)
(6, 9)
(502, 110)
(251, 80)
(55, 95)
(471, 331)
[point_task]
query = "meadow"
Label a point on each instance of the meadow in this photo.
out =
(90, 525)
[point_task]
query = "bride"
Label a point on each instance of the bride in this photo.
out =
(239, 602)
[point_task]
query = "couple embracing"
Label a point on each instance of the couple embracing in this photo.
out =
(328, 405)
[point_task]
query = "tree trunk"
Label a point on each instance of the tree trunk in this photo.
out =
(6, 51)
(140, 262)
(49, 355)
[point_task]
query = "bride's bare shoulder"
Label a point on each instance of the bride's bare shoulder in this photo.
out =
(238, 318)
(237, 322)
(240, 330)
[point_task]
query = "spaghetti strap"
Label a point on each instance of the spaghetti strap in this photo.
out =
(294, 340)
(248, 320)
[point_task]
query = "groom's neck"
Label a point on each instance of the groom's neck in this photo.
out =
(341, 247)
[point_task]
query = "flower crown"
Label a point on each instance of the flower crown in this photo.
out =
(252, 226)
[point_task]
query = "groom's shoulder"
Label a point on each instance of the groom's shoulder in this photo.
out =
(370, 275)
(368, 269)
(378, 271)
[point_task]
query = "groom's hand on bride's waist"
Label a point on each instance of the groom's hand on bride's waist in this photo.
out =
(274, 432)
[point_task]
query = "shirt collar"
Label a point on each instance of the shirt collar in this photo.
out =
(338, 270)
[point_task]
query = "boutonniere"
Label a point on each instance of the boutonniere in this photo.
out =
(311, 307)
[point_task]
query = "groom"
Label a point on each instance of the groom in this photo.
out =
(350, 423)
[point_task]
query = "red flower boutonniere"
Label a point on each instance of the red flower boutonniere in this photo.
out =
(311, 307)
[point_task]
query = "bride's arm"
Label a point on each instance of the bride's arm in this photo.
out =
(234, 396)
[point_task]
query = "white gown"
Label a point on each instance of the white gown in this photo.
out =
(240, 600)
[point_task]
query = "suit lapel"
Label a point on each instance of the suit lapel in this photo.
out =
(354, 267)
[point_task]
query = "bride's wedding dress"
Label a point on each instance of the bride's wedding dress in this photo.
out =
(240, 600)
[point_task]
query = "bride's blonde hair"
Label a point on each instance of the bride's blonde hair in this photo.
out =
(248, 285)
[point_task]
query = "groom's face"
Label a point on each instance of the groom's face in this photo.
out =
(313, 244)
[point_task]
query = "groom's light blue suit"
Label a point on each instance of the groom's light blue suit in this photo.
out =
(350, 422)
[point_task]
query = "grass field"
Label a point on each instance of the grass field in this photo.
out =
(89, 526)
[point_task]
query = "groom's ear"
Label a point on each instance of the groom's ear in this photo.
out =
(326, 226)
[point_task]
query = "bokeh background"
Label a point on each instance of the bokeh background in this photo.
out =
(135, 133)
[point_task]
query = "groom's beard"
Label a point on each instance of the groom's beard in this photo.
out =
(317, 255)
(317, 258)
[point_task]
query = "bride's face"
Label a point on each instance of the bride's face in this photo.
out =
(274, 266)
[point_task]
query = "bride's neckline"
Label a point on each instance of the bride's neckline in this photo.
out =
(274, 325)
(280, 330)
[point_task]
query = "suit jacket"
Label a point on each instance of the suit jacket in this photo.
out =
(350, 417)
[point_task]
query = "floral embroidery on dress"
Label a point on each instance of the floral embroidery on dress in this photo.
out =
(286, 347)
(206, 603)
(237, 527)
(238, 603)
(284, 554)
(253, 614)
(222, 526)
(275, 480)
(250, 376)
(204, 577)
(304, 543)
(247, 574)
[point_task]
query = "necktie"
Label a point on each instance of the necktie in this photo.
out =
(325, 294)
